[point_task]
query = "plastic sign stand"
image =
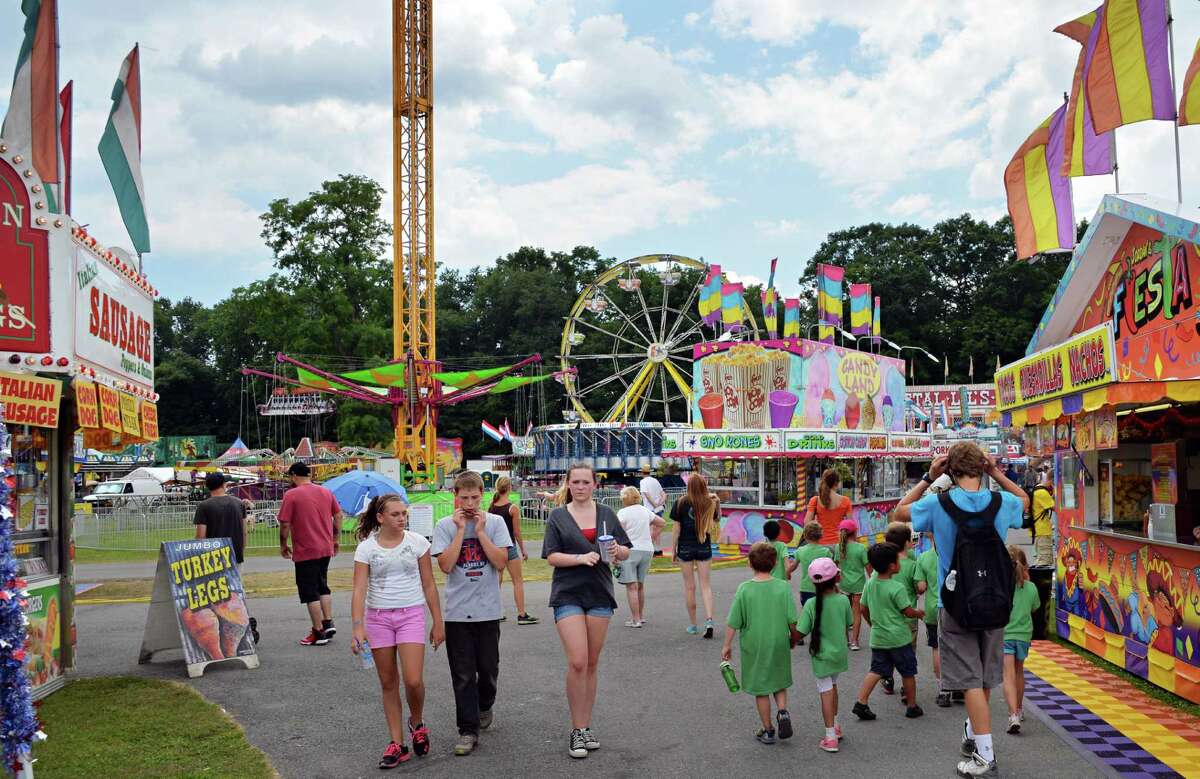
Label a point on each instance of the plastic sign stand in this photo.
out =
(198, 607)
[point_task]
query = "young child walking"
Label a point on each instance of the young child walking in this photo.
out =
(763, 615)
(1017, 636)
(393, 583)
(927, 573)
(825, 619)
(784, 564)
(851, 558)
(900, 535)
(811, 550)
(886, 606)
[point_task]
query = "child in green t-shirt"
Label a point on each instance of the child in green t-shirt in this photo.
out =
(825, 618)
(886, 607)
(784, 564)
(927, 575)
(1018, 634)
(810, 551)
(901, 534)
(763, 615)
(851, 557)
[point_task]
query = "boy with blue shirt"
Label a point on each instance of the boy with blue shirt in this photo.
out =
(972, 660)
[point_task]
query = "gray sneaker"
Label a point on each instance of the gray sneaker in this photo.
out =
(589, 739)
(977, 766)
(575, 747)
(967, 747)
(485, 719)
(465, 744)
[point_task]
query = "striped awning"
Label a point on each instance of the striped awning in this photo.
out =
(1121, 393)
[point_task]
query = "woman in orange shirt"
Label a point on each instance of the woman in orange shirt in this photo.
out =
(828, 507)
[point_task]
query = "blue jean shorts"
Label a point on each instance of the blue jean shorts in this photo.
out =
(902, 658)
(571, 610)
(1018, 649)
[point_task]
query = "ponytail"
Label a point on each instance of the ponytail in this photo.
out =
(1020, 565)
(842, 543)
(823, 589)
(368, 523)
(829, 482)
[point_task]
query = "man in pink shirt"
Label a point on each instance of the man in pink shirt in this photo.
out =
(312, 517)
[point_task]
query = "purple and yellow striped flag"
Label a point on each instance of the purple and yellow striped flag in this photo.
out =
(770, 304)
(1128, 67)
(710, 296)
(829, 300)
(860, 309)
(791, 318)
(731, 306)
(875, 330)
(1084, 152)
(1039, 195)
(1189, 98)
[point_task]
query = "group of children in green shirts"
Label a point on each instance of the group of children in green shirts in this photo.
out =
(839, 587)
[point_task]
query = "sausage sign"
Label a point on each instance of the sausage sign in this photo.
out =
(114, 322)
(198, 606)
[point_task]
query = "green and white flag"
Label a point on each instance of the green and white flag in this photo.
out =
(121, 151)
(32, 121)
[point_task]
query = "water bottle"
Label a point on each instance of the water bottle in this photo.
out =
(365, 656)
(951, 581)
(730, 677)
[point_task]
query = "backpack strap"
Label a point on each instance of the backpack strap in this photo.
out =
(959, 515)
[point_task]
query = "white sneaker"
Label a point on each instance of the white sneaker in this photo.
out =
(977, 766)
(632, 623)
(1014, 723)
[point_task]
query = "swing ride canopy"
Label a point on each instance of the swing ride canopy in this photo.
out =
(379, 379)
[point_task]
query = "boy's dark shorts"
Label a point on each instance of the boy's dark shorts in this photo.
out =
(312, 579)
(931, 635)
(902, 658)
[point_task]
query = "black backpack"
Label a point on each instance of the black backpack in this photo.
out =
(983, 588)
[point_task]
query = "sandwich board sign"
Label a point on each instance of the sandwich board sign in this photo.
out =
(198, 606)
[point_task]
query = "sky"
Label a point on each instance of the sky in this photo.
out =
(733, 130)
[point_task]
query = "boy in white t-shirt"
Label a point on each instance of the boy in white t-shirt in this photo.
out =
(639, 524)
(393, 583)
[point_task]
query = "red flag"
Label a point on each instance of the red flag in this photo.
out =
(64, 136)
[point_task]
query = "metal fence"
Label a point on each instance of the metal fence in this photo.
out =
(143, 526)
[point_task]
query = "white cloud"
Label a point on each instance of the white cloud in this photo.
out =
(910, 205)
(778, 227)
(691, 19)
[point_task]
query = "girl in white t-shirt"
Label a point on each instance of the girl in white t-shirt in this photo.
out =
(639, 524)
(393, 583)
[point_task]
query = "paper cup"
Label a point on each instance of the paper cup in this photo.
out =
(783, 405)
(712, 411)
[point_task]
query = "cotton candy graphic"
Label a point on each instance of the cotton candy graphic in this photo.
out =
(889, 412)
(828, 409)
(868, 413)
(894, 388)
(853, 411)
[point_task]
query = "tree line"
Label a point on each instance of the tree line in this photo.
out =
(955, 289)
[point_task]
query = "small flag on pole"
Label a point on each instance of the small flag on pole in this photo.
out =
(770, 304)
(491, 432)
(731, 306)
(829, 300)
(121, 151)
(946, 371)
(876, 332)
(791, 318)
(710, 296)
(66, 105)
(860, 309)
(971, 369)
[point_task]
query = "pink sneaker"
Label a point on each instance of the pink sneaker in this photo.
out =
(838, 729)
(829, 744)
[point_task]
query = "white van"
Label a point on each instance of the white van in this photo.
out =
(141, 485)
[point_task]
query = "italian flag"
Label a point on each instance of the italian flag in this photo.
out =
(121, 151)
(33, 110)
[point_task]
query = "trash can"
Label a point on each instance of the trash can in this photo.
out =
(1042, 578)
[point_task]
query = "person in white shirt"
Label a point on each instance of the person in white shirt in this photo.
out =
(654, 498)
(639, 524)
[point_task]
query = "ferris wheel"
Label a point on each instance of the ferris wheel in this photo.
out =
(627, 345)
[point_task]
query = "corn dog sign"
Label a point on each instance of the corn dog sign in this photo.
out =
(199, 606)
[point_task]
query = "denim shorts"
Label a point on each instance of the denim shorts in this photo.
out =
(902, 658)
(688, 553)
(514, 553)
(1018, 649)
(805, 597)
(571, 610)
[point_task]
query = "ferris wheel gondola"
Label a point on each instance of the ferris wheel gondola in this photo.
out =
(626, 349)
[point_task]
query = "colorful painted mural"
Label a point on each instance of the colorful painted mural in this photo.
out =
(796, 383)
(1135, 604)
(743, 527)
(1147, 292)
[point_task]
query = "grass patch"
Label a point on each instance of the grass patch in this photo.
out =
(1151, 689)
(132, 728)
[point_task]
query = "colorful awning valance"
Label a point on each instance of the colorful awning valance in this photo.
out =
(1122, 393)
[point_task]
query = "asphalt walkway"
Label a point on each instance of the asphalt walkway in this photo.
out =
(662, 710)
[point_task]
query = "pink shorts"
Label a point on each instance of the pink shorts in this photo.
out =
(389, 627)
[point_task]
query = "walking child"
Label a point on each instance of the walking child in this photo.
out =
(927, 572)
(901, 535)
(886, 605)
(393, 583)
(472, 548)
(851, 558)
(825, 619)
(811, 550)
(784, 564)
(1017, 636)
(763, 615)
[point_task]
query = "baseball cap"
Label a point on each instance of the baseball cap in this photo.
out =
(822, 569)
(299, 469)
(848, 524)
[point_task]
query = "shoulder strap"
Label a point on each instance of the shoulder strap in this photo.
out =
(993, 507)
(951, 508)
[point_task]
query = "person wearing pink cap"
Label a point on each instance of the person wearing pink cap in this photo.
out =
(851, 557)
(825, 619)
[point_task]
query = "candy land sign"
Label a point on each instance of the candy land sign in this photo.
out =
(198, 607)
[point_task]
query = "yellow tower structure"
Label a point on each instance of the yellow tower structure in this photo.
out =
(414, 271)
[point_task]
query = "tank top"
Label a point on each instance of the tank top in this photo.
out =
(504, 510)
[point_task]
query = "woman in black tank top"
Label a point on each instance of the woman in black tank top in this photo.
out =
(508, 511)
